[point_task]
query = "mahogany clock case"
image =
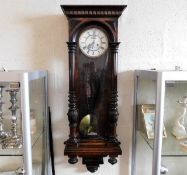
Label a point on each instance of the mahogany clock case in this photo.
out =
(93, 86)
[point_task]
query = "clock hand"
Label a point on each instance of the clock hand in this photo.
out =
(91, 44)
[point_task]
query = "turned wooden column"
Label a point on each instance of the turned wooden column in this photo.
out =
(113, 111)
(72, 112)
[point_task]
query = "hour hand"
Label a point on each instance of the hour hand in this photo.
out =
(91, 45)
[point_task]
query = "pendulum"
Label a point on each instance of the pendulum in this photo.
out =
(3, 134)
(14, 140)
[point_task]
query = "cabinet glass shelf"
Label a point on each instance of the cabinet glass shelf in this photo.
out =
(18, 151)
(170, 147)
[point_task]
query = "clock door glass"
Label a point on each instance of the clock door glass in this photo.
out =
(93, 42)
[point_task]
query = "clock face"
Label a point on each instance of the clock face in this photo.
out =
(93, 42)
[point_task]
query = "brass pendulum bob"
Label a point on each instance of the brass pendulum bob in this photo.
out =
(88, 126)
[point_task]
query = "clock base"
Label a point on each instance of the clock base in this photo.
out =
(92, 152)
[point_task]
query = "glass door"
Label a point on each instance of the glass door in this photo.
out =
(174, 146)
(144, 121)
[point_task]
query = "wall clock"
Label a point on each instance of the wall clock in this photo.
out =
(93, 114)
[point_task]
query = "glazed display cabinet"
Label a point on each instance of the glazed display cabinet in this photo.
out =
(160, 123)
(23, 123)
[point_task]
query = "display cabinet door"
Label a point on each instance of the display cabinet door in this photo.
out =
(174, 147)
(143, 130)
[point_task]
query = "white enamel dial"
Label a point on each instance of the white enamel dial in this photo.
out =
(93, 42)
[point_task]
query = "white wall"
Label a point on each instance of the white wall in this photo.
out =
(153, 33)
